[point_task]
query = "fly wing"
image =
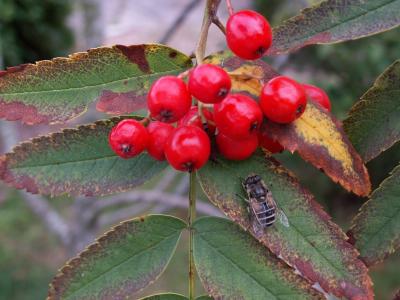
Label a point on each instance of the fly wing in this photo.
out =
(270, 200)
(283, 219)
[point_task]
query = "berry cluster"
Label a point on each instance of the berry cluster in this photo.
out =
(181, 132)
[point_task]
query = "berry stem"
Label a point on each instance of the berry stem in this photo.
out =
(230, 7)
(191, 218)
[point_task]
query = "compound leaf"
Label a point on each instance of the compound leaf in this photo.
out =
(54, 91)
(233, 265)
(334, 21)
(121, 262)
(312, 244)
(373, 124)
(375, 230)
(75, 161)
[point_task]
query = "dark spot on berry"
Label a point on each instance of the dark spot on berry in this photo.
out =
(299, 110)
(261, 50)
(166, 115)
(126, 148)
(173, 54)
(222, 93)
(253, 126)
(188, 166)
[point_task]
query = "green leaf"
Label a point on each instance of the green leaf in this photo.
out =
(334, 21)
(375, 231)
(122, 262)
(205, 297)
(373, 124)
(312, 243)
(169, 296)
(233, 265)
(117, 77)
(75, 161)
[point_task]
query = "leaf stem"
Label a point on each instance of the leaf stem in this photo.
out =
(191, 218)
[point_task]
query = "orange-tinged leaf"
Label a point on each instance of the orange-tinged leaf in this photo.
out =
(319, 138)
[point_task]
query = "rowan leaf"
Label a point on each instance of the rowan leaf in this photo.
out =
(319, 138)
(57, 90)
(334, 21)
(373, 124)
(375, 231)
(167, 296)
(121, 262)
(312, 244)
(75, 161)
(233, 265)
(316, 135)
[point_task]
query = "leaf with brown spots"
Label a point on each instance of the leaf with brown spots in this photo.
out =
(123, 261)
(75, 161)
(319, 138)
(312, 244)
(57, 90)
(373, 124)
(334, 21)
(375, 231)
(233, 265)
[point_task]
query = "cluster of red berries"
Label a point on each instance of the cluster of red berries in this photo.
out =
(233, 119)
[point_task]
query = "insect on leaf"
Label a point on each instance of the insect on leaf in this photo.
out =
(334, 21)
(312, 244)
(75, 161)
(118, 78)
(233, 265)
(373, 124)
(121, 262)
(375, 231)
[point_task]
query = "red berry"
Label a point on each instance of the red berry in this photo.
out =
(237, 116)
(283, 99)
(269, 144)
(209, 83)
(159, 133)
(188, 148)
(192, 118)
(317, 95)
(237, 149)
(248, 34)
(168, 99)
(128, 138)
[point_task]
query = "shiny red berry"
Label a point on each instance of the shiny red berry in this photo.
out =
(192, 118)
(188, 148)
(159, 133)
(237, 116)
(209, 83)
(128, 138)
(237, 149)
(317, 95)
(269, 144)
(283, 99)
(248, 34)
(168, 99)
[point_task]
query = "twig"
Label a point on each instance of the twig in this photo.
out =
(178, 21)
(54, 222)
(191, 218)
(219, 24)
(230, 7)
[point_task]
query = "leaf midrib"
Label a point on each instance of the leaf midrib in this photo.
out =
(89, 86)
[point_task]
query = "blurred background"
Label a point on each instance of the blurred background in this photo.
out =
(37, 234)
